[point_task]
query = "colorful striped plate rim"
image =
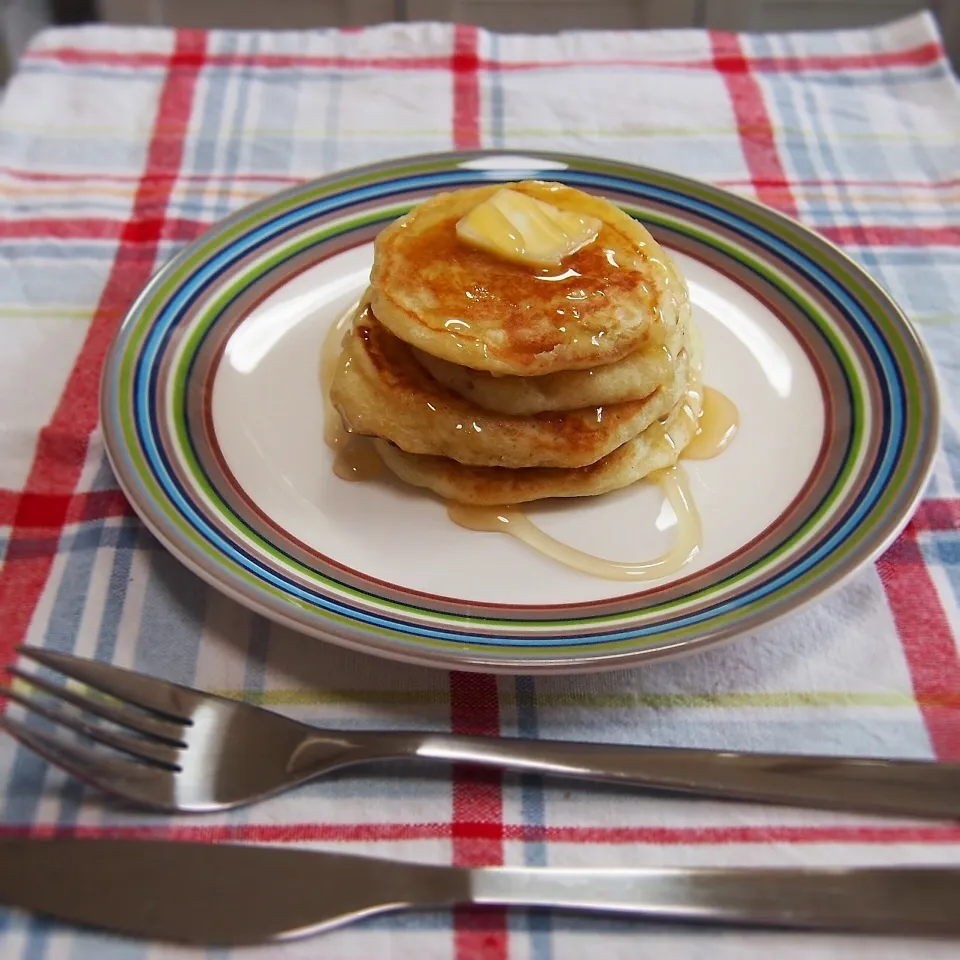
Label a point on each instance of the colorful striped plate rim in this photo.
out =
(878, 451)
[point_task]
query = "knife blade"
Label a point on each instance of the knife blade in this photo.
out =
(202, 893)
(233, 894)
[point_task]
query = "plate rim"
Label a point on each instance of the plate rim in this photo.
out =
(543, 660)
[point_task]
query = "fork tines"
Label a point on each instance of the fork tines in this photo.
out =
(153, 710)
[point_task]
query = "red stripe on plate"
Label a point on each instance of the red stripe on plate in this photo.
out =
(62, 445)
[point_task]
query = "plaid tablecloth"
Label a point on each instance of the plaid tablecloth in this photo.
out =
(118, 145)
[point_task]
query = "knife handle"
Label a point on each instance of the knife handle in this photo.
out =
(917, 901)
(916, 788)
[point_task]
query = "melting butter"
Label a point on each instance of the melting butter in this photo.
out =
(525, 230)
(513, 522)
(354, 458)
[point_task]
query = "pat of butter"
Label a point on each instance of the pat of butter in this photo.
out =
(526, 230)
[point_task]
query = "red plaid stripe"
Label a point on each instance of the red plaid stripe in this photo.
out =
(937, 515)
(883, 236)
(753, 122)
(45, 503)
(928, 641)
(466, 88)
(477, 827)
(45, 512)
(924, 629)
(923, 55)
(880, 835)
(140, 230)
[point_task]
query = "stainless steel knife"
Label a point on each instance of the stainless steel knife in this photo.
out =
(231, 894)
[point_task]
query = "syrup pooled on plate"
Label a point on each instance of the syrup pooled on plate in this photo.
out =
(717, 426)
(515, 523)
(354, 458)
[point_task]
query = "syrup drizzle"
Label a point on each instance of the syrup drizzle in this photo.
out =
(354, 458)
(515, 523)
(716, 427)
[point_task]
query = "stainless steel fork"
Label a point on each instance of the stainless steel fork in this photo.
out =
(194, 751)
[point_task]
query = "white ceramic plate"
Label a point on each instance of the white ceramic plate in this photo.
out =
(213, 417)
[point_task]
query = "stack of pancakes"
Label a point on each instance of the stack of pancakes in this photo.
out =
(491, 382)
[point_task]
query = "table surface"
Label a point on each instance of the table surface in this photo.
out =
(119, 145)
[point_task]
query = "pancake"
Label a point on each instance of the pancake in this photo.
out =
(634, 377)
(380, 390)
(658, 447)
(475, 309)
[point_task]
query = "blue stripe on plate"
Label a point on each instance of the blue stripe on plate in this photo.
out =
(862, 325)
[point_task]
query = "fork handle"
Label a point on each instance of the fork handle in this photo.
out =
(907, 787)
(896, 900)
